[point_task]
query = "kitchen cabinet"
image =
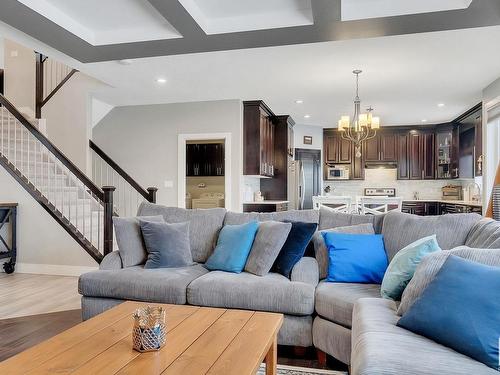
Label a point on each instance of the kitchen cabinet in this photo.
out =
(381, 148)
(402, 156)
(447, 153)
(265, 207)
(258, 137)
(478, 148)
(421, 155)
(454, 208)
(337, 149)
(205, 159)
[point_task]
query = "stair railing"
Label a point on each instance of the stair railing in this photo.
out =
(50, 76)
(64, 191)
(129, 193)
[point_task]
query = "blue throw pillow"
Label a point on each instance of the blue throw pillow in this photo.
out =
(294, 248)
(233, 246)
(355, 258)
(460, 309)
(403, 265)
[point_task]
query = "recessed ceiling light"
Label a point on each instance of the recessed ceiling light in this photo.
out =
(299, 101)
(424, 120)
(441, 105)
(125, 62)
(307, 116)
(161, 80)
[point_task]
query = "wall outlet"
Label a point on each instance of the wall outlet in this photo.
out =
(14, 53)
(169, 184)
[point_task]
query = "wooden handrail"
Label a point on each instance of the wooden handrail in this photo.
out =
(149, 193)
(96, 191)
(489, 211)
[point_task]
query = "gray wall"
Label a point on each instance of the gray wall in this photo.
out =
(143, 140)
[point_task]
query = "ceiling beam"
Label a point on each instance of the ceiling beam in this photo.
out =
(327, 27)
(178, 17)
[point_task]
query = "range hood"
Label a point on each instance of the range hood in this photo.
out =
(381, 165)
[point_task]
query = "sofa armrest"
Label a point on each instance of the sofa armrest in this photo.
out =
(306, 271)
(112, 261)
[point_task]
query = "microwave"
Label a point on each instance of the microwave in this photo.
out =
(337, 172)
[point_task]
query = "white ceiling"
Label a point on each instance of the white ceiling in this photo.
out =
(225, 16)
(101, 22)
(404, 77)
(363, 9)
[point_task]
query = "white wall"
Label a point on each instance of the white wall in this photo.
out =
(299, 131)
(1, 53)
(68, 117)
(19, 81)
(99, 110)
(144, 141)
(43, 245)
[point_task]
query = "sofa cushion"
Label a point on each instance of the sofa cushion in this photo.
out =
(320, 249)
(401, 229)
(307, 216)
(379, 347)
(167, 244)
(470, 323)
(129, 239)
(164, 285)
(335, 301)
(268, 242)
(329, 218)
(431, 264)
(272, 292)
(204, 225)
(485, 234)
(403, 266)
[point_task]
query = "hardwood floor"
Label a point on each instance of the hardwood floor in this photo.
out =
(26, 294)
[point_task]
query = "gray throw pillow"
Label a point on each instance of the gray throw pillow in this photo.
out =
(320, 248)
(432, 263)
(129, 239)
(266, 247)
(167, 244)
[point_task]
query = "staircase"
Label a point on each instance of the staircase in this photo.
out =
(82, 208)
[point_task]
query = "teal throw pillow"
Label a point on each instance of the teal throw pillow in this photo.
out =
(403, 265)
(233, 247)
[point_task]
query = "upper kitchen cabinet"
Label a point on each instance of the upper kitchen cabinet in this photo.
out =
(403, 159)
(258, 137)
(205, 159)
(447, 152)
(337, 150)
(381, 148)
(421, 155)
(471, 142)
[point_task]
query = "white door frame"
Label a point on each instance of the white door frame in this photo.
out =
(181, 167)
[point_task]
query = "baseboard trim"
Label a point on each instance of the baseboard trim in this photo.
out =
(53, 269)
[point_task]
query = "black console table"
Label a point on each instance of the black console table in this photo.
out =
(8, 214)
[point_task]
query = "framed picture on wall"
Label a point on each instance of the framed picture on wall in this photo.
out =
(308, 140)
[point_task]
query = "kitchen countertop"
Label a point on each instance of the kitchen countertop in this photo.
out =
(267, 202)
(465, 203)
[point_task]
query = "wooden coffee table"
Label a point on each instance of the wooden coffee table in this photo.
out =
(200, 340)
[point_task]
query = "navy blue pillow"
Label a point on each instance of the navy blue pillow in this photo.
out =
(461, 309)
(294, 248)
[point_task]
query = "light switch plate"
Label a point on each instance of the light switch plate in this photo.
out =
(169, 184)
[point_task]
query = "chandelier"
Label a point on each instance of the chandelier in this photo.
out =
(363, 125)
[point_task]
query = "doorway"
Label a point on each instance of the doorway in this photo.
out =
(204, 171)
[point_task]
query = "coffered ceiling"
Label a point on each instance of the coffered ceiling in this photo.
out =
(97, 30)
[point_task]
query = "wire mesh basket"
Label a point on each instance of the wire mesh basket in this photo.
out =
(150, 331)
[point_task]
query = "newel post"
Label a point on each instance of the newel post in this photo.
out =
(108, 218)
(152, 194)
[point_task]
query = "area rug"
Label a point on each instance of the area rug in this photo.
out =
(293, 370)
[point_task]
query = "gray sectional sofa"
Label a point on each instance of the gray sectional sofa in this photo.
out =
(316, 312)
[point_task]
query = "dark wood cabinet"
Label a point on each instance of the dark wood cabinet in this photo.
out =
(337, 150)
(403, 156)
(428, 156)
(265, 207)
(205, 159)
(414, 155)
(258, 136)
(381, 148)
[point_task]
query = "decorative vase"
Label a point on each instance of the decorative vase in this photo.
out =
(150, 331)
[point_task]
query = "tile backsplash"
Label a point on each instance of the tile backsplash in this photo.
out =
(387, 178)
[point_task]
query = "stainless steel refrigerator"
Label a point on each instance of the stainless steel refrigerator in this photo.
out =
(304, 180)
